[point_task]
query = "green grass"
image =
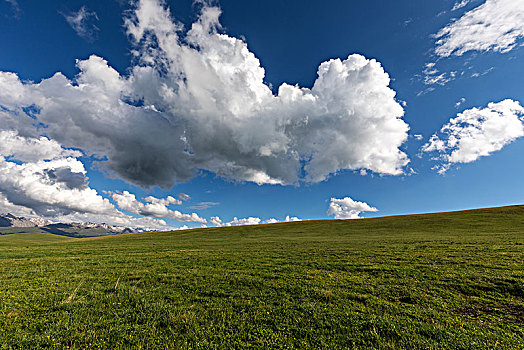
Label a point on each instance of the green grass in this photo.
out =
(438, 281)
(21, 239)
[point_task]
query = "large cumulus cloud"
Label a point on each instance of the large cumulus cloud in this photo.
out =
(196, 100)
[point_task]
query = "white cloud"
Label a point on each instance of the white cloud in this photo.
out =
(460, 4)
(29, 149)
(287, 219)
(347, 208)
(433, 76)
(40, 178)
(119, 219)
(82, 23)
(271, 221)
(460, 102)
(215, 220)
(199, 102)
(418, 137)
(184, 196)
(496, 25)
(244, 221)
(14, 6)
(156, 207)
(162, 201)
(50, 188)
(7, 207)
(292, 219)
(58, 190)
(477, 132)
(204, 205)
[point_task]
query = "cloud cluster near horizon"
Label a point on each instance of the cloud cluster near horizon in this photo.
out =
(154, 207)
(216, 221)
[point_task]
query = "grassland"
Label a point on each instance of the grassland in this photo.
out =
(438, 281)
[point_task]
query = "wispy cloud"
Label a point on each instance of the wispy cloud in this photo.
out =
(15, 7)
(496, 25)
(204, 205)
(82, 23)
(184, 196)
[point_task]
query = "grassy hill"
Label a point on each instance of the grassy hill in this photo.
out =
(73, 232)
(66, 230)
(435, 281)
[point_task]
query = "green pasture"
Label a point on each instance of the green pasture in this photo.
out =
(436, 281)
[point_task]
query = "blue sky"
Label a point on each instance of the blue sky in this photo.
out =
(223, 102)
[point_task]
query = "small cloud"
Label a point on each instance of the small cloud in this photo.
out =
(204, 205)
(82, 23)
(477, 74)
(14, 6)
(460, 102)
(184, 197)
(287, 219)
(215, 220)
(418, 137)
(347, 208)
(162, 201)
(460, 4)
(433, 76)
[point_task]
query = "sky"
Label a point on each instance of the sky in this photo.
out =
(178, 114)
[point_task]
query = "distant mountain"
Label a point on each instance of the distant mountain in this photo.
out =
(9, 220)
(13, 224)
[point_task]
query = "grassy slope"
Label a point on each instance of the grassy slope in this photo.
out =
(452, 280)
(21, 239)
(65, 232)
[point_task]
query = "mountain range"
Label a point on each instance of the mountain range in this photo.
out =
(14, 224)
